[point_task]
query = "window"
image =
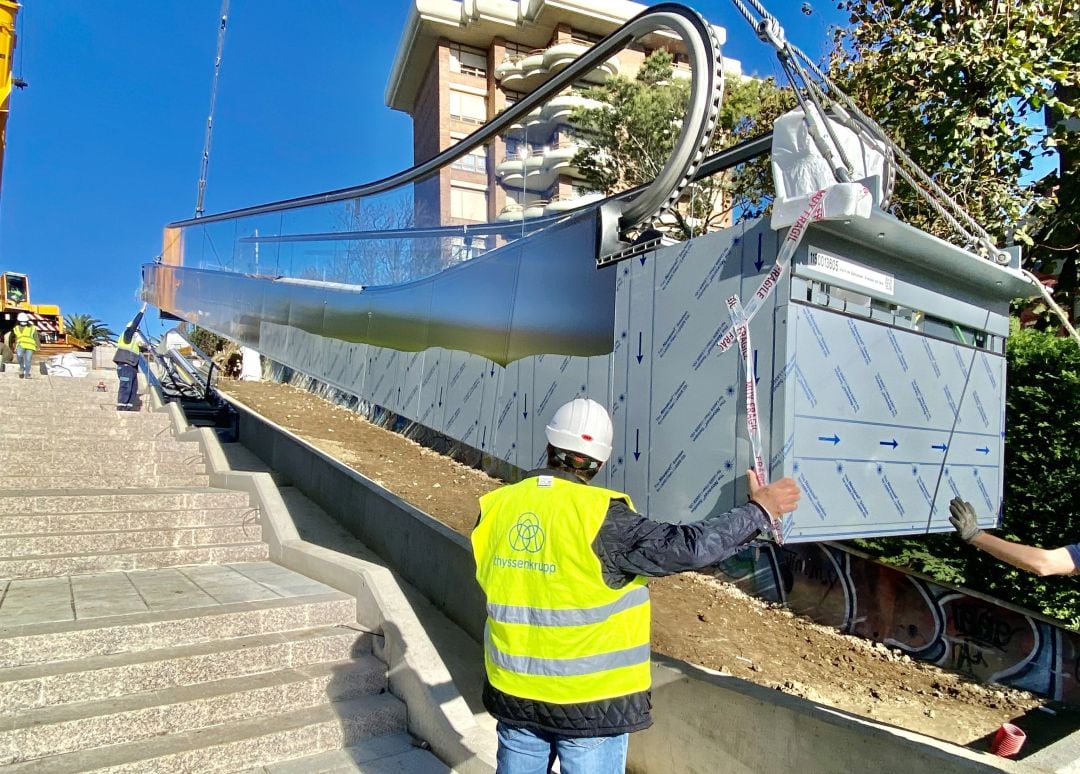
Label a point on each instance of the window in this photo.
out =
(468, 203)
(468, 61)
(470, 108)
(464, 248)
(474, 161)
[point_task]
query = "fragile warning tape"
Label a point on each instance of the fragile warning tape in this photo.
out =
(742, 315)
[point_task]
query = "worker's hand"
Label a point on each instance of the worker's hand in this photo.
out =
(777, 498)
(963, 519)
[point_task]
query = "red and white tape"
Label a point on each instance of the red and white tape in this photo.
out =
(740, 329)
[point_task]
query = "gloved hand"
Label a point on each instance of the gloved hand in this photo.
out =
(963, 518)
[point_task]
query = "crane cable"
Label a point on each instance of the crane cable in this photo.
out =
(205, 165)
(795, 64)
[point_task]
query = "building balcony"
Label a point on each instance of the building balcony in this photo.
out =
(514, 211)
(538, 170)
(511, 212)
(565, 203)
(525, 73)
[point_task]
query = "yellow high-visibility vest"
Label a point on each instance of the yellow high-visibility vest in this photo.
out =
(555, 631)
(24, 337)
(131, 345)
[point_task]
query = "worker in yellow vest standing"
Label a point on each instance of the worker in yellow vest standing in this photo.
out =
(564, 567)
(26, 343)
(127, 360)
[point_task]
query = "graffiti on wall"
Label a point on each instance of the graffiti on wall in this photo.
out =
(986, 640)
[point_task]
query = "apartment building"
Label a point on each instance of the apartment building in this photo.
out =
(460, 63)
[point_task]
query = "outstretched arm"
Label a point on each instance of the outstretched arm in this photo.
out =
(629, 544)
(1040, 561)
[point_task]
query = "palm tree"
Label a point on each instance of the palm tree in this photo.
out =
(86, 332)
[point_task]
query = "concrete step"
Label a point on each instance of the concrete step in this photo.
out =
(100, 466)
(103, 541)
(93, 679)
(247, 743)
(86, 725)
(114, 521)
(82, 410)
(49, 444)
(94, 500)
(76, 428)
(88, 637)
(115, 481)
(370, 756)
(48, 566)
(162, 453)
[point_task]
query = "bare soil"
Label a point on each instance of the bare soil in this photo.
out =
(697, 618)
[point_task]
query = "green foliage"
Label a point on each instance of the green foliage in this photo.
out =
(630, 139)
(1042, 484)
(86, 332)
(966, 87)
(208, 341)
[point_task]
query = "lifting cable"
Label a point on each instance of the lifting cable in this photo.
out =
(832, 102)
(204, 166)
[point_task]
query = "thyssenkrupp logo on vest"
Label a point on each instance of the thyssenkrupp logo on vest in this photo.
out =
(527, 534)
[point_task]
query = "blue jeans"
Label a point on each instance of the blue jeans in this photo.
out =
(524, 751)
(24, 356)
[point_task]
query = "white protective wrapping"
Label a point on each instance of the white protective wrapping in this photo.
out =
(251, 365)
(71, 364)
(799, 169)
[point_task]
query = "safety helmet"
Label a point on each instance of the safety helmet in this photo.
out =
(582, 426)
(23, 317)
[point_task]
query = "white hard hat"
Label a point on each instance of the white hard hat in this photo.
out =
(583, 426)
(23, 317)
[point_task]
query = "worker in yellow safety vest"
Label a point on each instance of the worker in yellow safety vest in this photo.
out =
(127, 358)
(564, 566)
(26, 343)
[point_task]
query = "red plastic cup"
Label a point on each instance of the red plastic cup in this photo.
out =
(1007, 740)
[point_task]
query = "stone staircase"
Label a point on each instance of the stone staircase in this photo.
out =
(142, 628)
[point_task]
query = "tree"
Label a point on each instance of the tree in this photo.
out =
(977, 92)
(628, 141)
(86, 332)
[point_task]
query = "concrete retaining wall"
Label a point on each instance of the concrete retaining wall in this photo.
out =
(428, 554)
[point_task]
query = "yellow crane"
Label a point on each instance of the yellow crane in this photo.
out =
(8, 11)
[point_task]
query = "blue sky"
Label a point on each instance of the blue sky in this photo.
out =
(103, 148)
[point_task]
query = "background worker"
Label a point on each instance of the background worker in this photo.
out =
(26, 343)
(127, 364)
(1040, 561)
(564, 566)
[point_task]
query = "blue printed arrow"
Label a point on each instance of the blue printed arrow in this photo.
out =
(637, 444)
(483, 441)
(833, 439)
(639, 353)
(891, 443)
(759, 263)
(940, 446)
(646, 255)
(983, 450)
(756, 377)
(440, 396)
(525, 413)
(492, 368)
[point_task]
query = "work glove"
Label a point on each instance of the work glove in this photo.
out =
(963, 518)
